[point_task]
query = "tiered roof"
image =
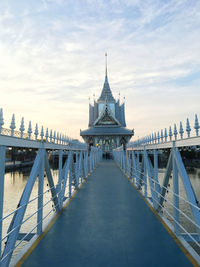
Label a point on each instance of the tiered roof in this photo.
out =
(106, 94)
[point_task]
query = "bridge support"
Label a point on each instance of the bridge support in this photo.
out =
(176, 194)
(40, 192)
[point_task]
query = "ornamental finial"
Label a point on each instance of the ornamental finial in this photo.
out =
(106, 64)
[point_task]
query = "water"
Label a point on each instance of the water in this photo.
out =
(184, 206)
(13, 188)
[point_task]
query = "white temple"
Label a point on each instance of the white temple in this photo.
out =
(107, 121)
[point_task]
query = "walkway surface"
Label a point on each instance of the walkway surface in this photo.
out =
(107, 224)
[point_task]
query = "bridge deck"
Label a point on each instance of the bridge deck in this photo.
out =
(107, 224)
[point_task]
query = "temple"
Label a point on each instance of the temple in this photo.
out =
(107, 125)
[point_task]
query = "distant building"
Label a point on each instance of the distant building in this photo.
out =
(107, 125)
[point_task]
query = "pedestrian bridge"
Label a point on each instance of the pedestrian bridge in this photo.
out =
(108, 223)
(101, 212)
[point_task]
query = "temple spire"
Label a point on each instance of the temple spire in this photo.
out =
(106, 70)
(106, 94)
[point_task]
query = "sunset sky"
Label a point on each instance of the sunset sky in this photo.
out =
(52, 61)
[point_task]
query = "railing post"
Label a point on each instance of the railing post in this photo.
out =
(83, 158)
(76, 165)
(124, 161)
(90, 161)
(40, 193)
(71, 170)
(2, 172)
(137, 169)
(134, 168)
(81, 166)
(86, 163)
(176, 192)
(145, 173)
(127, 164)
(60, 162)
(93, 160)
(156, 185)
(77, 169)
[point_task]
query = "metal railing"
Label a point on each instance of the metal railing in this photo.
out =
(164, 138)
(140, 164)
(75, 163)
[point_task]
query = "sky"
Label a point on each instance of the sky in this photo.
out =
(52, 61)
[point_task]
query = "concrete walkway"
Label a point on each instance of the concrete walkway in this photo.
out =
(107, 224)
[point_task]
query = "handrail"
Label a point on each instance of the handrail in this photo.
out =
(144, 175)
(185, 215)
(70, 176)
(167, 188)
(164, 139)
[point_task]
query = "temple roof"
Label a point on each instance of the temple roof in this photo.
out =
(106, 94)
(106, 131)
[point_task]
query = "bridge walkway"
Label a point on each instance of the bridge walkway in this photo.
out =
(107, 224)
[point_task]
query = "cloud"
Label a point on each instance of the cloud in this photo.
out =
(52, 60)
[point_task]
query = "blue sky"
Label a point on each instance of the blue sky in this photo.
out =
(52, 61)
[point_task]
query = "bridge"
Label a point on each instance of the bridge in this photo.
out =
(98, 212)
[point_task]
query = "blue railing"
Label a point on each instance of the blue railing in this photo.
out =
(140, 164)
(75, 163)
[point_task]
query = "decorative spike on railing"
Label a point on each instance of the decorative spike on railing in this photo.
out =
(29, 130)
(51, 136)
(36, 131)
(174, 135)
(54, 136)
(152, 138)
(47, 135)
(196, 125)
(175, 132)
(161, 136)
(181, 131)
(57, 137)
(158, 137)
(22, 128)
(12, 125)
(1, 119)
(188, 129)
(170, 133)
(42, 133)
(166, 135)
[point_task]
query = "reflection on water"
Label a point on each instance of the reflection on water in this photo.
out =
(14, 185)
(194, 177)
